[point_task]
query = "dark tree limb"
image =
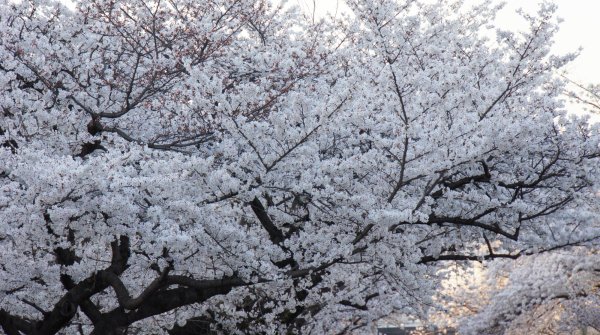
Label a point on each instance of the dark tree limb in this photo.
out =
(357, 306)
(157, 303)
(123, 296)
(66, 308)
(363, 233)
(87, 306)
(467, 222)
(455, 257)
(34, 305)
(13, 325)
(275, 235)
(91, 311)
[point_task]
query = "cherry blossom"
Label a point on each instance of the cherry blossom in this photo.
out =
(242, 167)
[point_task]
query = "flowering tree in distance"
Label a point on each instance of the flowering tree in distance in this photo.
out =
(172, 164)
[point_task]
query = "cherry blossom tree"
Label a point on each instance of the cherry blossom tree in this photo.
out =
(176, 165)
(545, 293)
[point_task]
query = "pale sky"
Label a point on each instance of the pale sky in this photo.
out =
(580, 29)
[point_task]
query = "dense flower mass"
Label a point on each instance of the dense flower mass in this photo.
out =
(183, 165)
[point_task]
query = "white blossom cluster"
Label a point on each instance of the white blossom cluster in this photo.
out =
(237, 164)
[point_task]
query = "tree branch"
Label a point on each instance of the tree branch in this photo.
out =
(13, 325)
(66, 308)
(275, 235)
(123, 295)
